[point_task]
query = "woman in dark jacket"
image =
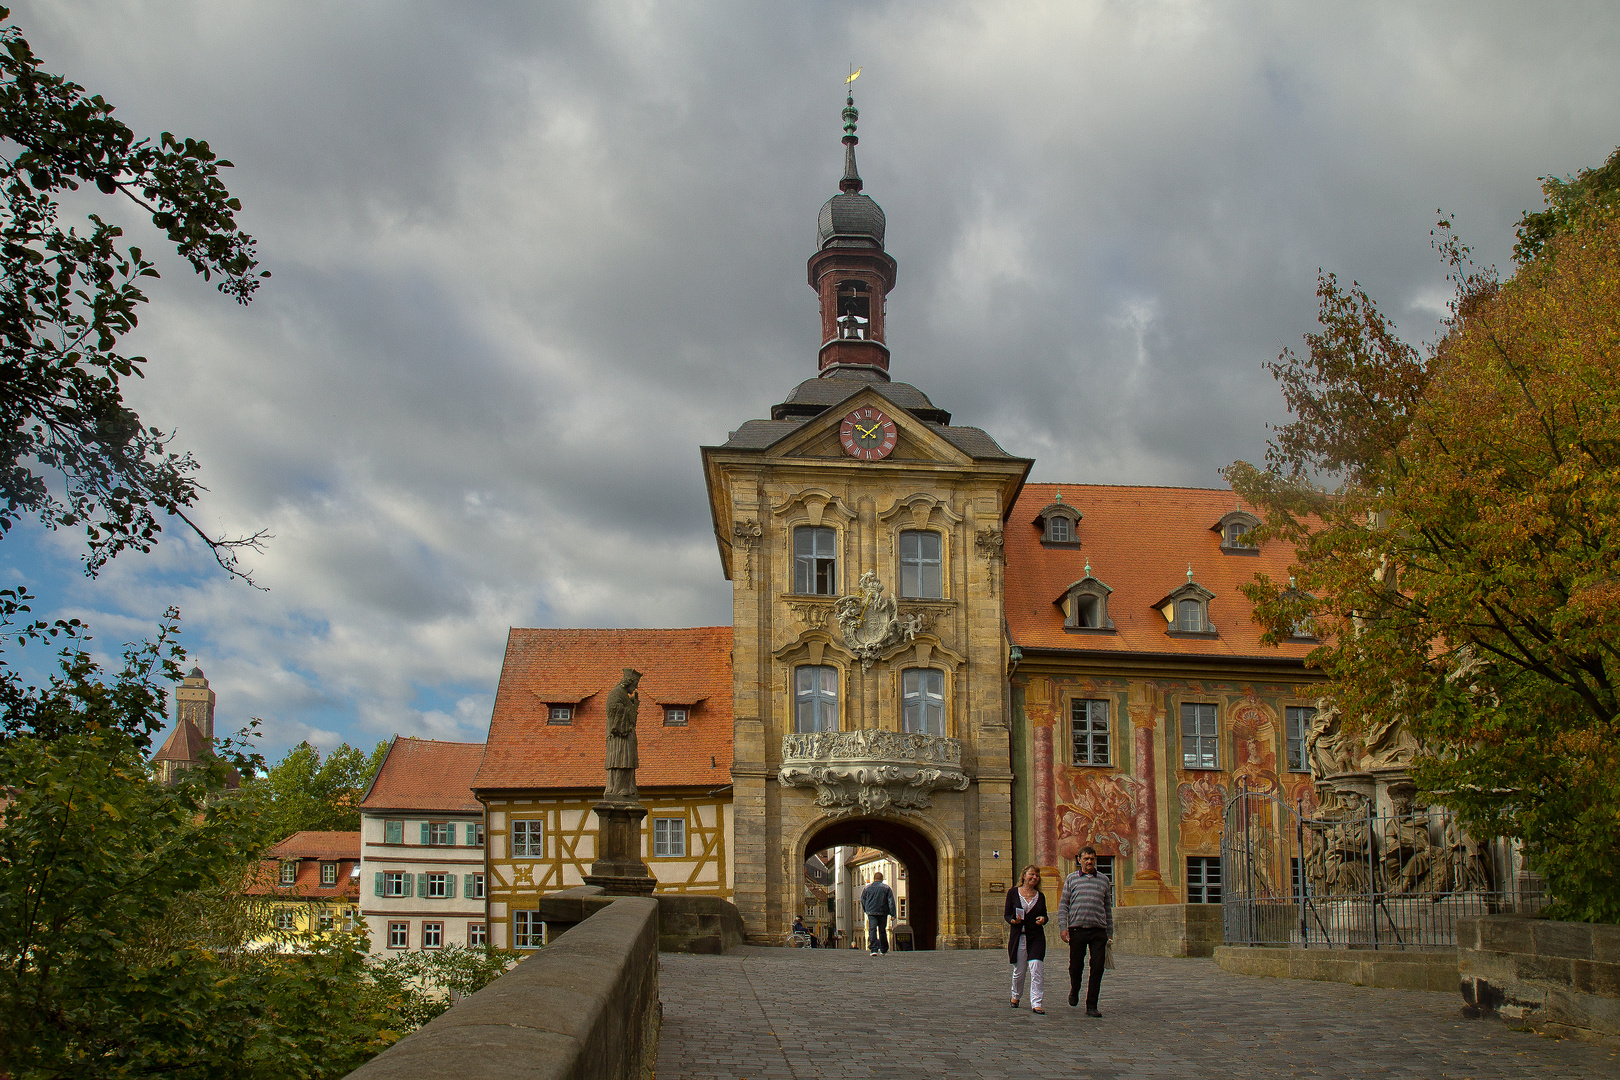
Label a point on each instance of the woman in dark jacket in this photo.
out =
(1026, 941)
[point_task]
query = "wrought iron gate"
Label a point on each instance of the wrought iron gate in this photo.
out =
(1352, 877)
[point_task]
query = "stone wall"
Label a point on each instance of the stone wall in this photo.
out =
(1558, 977)
(1392, 969)
(686, 922)
(1168, 929)
(586, 1005)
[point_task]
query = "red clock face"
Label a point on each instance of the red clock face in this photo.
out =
(867, 435)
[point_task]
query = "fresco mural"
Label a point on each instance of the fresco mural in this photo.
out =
(1097, 809)
(1203, 809)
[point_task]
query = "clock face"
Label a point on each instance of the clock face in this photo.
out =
(867, 435)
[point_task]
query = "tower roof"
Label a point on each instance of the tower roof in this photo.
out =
(186, 743)
(850, 219)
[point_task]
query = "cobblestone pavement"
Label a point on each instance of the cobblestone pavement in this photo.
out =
(763, 1013)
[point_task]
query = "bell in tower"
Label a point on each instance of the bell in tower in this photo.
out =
(852, 273)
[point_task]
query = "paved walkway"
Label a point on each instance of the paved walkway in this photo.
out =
(792, 1013)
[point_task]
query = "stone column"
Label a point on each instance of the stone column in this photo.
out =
(1147, 883)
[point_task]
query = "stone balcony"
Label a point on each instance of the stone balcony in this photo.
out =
(868, 771)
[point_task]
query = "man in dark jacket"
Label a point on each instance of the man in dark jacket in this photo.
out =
(1086, 922)
(877, 900)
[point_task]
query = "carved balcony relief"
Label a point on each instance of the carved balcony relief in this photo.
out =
(869, 771)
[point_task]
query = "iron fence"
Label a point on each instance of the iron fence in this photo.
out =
(1356, 876)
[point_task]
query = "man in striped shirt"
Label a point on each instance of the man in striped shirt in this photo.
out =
(1086, 915)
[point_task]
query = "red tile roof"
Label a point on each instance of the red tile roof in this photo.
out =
(578, 667)
(426, 774)
(1139, 542)
(311, 849)
(186, 743)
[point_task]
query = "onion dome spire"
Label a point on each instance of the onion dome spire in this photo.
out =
(851, 183)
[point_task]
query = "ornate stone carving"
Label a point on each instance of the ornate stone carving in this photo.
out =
(989, 544)
(813, 616)
(923, 619)
(871, 622)
(869, 771)
(745, 536)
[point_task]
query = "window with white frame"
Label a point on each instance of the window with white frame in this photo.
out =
(289, 873)
(1297, 720)
(1203, 879)
(675, 715)
(922, 700)
(432, 935)
(1199, 743)
(477, 934)
(1190, 615)
(399, 935)
(475, 886)
(440, 832)
(329, 873)
(286, 920)
(921, 568)
(476, 832)
(438, 886)
(350, 917)
(669, 837)
(528, 932)
(528, 838)
(560, 714)
(393, 832)
(328, 920)
(393, 883)
(1088, 726)
(1057, 529)
(815, 560)
(1235, 529)
(1060, 523)
(815, 698)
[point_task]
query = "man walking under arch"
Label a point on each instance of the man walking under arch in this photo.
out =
(877, 900)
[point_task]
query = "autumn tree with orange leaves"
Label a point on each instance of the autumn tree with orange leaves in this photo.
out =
(1456, 516)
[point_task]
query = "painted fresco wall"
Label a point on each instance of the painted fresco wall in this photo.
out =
(1145, 807)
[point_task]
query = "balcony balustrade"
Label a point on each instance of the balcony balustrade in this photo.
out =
(868, 771)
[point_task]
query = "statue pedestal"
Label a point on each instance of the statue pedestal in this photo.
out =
(618, 870)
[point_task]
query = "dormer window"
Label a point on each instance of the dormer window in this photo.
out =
(1235, 529)
(1085, 604)
(1186, 610)
(676, 715)
(1303, 629)
(560, 714)
(1059, 523)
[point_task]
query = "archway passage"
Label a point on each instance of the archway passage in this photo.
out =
(909, 846)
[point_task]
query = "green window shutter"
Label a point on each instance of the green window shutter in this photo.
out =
(452, 836)
(421, 886)
(467, 888)
(450, 886)
(379, 883)
(409, 887)
(393, 832)
(424, 832)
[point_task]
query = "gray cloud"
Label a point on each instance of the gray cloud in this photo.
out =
(529, 257)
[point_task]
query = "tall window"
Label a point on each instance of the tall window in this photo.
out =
(1203, 879)
(477, 934)
(922, 696)
(815, 698)
(289, 873)
(528, 932)
(399, 935)
(1057, 529)
(1190, 616)
(432, 935)
(920, 571)
(1198, 740)
(475, 834)
(475, 886)
(815, 560)
(440, 886)
(528, 839)
(1089, 726)
(669, 837)
(1298, 720)
(394, 883)
(328, 873)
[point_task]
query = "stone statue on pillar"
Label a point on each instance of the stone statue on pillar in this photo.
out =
(619, 869)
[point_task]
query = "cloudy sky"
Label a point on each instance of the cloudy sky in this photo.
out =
(528, 257)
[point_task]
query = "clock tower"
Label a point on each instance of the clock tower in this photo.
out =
(862, 534)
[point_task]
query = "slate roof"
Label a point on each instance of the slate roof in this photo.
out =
(426, 774)
(544, 667)
(1139, 542)
(185, 743)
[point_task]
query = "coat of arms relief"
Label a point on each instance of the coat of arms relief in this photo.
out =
(871, 622)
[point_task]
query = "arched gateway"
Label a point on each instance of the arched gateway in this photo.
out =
(862, 534)
(914, 851)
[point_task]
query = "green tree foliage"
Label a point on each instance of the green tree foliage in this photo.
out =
(71, 292)
(1568, 199)
(301, 791)
(1463, 570)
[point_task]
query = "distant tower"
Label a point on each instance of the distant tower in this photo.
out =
(193, 733)
(851, 272)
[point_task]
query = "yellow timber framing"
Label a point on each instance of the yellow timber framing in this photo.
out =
(569, 847)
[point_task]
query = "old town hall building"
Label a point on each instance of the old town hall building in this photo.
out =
(927, 656)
